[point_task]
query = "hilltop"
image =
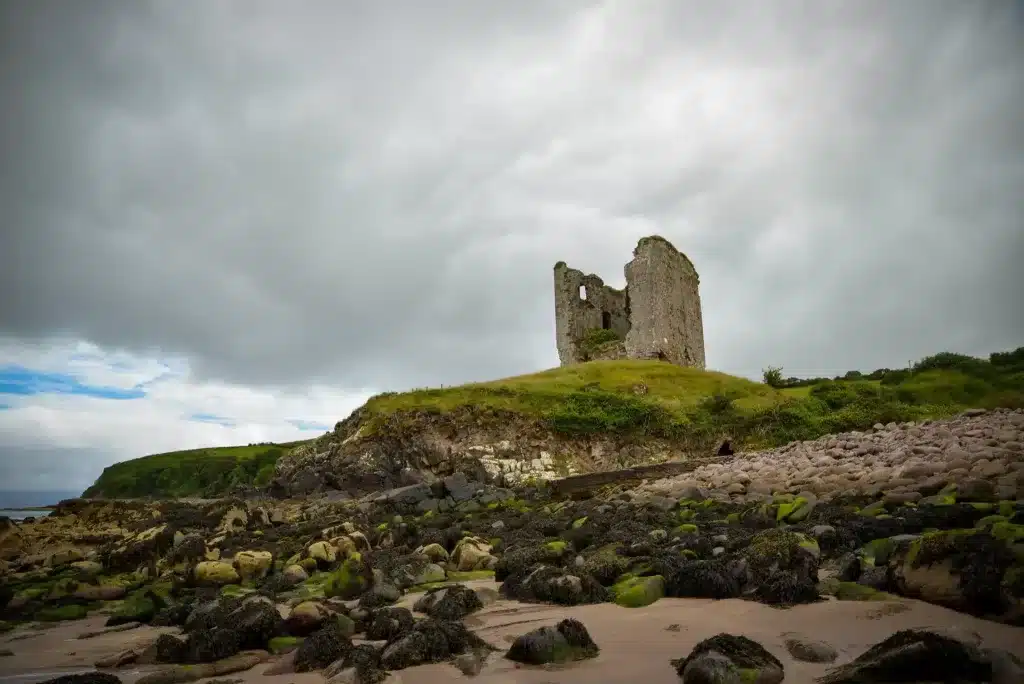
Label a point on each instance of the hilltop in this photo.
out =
(603, 415)
(592, 416)
(194, 472)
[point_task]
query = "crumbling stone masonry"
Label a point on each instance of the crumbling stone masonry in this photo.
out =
(656, 316)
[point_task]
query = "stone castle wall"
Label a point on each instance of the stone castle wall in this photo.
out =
(657, 315)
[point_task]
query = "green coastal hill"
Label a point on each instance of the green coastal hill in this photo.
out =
(638, 398)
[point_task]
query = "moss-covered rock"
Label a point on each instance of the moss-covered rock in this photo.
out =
(471, 553)
(350, 580)
(636, 592)
(322, 553)
(963, 569)
(283, 644)
(215, 573)
(253, 565)
(73, 611)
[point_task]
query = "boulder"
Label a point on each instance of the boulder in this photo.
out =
(321, 648)
(915, 656)
(430, 641)
(471, 553)
(728, 658)
(253, 565)
(215, 573)
(449, 603)
(566, 641)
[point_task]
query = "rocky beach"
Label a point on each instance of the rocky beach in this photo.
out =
(875, 556)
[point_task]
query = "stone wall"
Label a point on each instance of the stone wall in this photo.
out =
(657, 315)
(666, 315)
(583, 302)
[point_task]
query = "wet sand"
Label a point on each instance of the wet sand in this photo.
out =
(636, 644)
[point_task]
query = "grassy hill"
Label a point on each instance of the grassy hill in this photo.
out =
(628, 398)
(651, 398)
(196, 472)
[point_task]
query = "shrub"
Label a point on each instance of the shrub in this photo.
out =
(773, 376)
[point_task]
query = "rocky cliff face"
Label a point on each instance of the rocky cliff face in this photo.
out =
(500, 449)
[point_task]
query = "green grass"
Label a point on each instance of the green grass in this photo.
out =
(629, 399)
(196, 472)
(698, 407)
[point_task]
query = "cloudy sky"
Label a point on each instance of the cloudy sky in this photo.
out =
(232, 221)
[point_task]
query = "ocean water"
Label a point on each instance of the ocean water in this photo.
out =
(12, 504)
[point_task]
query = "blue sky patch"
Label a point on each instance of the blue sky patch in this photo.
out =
(27, 382)
(310, 425)
(212, 419)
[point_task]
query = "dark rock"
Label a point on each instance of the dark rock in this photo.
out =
(257, 622)
(321, 648)
(810, 651)
(702, 579)
(169, 649)
(848, 567)
(728, 658)
(408, 496)
(915, 656)
(449, 603)
(458, 487)
(388, 624)
(784, 567)
(380, 594)
(875, 577)
(85, 678)
(430, 641)
(566, 641)
(545, 584)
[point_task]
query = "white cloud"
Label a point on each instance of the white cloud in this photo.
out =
(93, 432)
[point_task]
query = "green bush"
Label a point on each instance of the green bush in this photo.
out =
(773, 376)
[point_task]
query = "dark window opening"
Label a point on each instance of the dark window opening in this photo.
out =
(606, 320)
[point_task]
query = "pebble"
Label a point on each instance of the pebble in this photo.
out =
(980, 451)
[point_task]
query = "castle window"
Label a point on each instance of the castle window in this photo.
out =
(606, 320)
(583, 292)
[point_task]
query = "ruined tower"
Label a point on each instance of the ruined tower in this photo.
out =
(656, 316)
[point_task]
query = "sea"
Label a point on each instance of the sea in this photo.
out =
(17, 505)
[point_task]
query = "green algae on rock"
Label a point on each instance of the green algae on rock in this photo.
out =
(637, 592)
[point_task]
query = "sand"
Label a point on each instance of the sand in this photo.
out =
(636, 643)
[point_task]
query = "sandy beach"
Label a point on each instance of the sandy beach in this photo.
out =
(636, 643)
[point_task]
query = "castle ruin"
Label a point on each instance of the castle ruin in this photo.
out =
(656, 316)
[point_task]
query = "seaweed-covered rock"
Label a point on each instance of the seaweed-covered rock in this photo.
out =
(85, 678)
(351, 579)
(964, 569)
(138, 549)
(306, 618)
(727, 659)
(321, 648)
(545, 584)
(566, 641)
(387, 624)
(784, 567)
(361, 665)
(141, 606)
(913, 655)
(380, 594)
(449, 603)
(429, 641)
(257, 622)
(715, 579)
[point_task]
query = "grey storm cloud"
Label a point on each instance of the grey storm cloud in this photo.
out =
(374, 194)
